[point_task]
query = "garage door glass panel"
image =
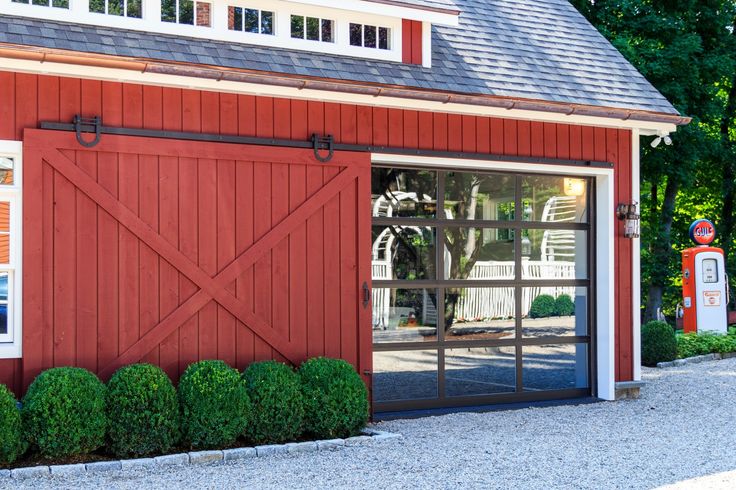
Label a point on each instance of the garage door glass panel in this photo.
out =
(406, 252)
(405, 375)
(4, 232)
(479, 313)
(554, 254)
(404, 315)
(479, 196)
(552, 199)
(555, 367)
(4, 303)
(404, 193)
(555, 312)
(480, 371)
(482, 254)
(6, 171)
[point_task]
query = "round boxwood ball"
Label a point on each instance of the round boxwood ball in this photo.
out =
(564, 305)
(143, 411)
(12, 442)
(543, 306)
(335, 398)
(278, 410)
(215, 408)
(64, 412)
(658, 343)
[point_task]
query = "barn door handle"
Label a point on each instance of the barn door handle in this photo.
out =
(366, 295)
(323, 143)
(81, 122)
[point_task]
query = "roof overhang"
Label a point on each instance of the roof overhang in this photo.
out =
(104, 67)
(393, 8)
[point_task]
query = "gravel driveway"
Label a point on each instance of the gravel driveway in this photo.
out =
(681, 429)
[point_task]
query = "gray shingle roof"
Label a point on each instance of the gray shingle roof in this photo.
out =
(542, 50)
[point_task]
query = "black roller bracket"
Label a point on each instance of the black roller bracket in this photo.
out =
(87, 125)
(321, 144)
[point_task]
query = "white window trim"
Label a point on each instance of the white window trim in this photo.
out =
(11, 345)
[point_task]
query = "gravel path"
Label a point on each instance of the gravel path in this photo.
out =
(681, 429)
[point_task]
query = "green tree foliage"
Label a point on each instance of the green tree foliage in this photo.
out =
(687, 50)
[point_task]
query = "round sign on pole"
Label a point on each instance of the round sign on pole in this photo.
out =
(702, 232)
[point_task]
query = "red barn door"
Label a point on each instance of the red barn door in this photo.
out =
(168, 252)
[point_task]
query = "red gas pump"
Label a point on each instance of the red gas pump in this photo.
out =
(704, 282)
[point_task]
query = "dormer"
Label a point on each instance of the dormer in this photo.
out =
(387, 30)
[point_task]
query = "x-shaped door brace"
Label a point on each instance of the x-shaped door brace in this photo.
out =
(210, 287)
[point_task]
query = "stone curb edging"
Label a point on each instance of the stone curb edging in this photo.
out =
(696, 359)
(369, 436)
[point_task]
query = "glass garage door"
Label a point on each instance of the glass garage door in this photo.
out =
(482, 287)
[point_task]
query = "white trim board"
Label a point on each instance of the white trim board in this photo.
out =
(14, 194)
(178, 81)
(636, 260)
(605, 337)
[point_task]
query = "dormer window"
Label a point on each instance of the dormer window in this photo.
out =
(62, 4)
(186, 12)
(312, 28)
(123, 8)
(250, 20)
(367, 36)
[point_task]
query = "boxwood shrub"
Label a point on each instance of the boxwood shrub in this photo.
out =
(143, 411)
(335, 398)
(658, 343)
(564, 305)
(215, 408)
(12, 442)
(64, 412)
(278, 410)
(543, 306)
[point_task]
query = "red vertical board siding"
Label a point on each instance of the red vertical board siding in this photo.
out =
(416, 42)
(406, 40)
(166, 193)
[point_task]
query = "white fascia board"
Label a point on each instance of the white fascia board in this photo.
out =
(121, 75)
(636, 258)
(399, 11)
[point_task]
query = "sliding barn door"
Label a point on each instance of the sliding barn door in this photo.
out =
(168, 252)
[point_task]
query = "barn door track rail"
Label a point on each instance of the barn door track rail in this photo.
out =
(89, 132)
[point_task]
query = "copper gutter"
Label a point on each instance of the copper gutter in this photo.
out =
(44, 55)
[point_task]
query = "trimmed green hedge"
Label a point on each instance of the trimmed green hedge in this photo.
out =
(564, 306)
(693, 344)
(274, 390)
(335, 398)
(215, 408)
(64, 412)
(12, 442)
(543, 306)
(143, 410)
(658, 343)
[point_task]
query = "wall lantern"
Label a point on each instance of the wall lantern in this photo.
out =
(574, 187)
(629, 215)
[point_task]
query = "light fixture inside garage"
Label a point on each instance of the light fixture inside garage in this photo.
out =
(574, 187)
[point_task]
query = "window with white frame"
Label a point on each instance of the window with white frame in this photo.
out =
(187, 12)
(122, 8)
(312, 28)
(62, 4)
(10, 250)
(250, 20)
(368, 36)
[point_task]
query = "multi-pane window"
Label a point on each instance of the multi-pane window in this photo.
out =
(123, 8)
(10, 259)
(62, 4)
(312, 28)
(368, 36)
(250, 20)
(186, 12)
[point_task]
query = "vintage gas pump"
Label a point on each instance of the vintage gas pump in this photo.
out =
(704, 282)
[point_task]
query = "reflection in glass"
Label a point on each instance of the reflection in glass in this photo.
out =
(251, 21)
(297, 26)
(475, 196)
(404, 375)
(480, 371)
(555, 367)
(479, 313)
(327, 30)
(554, 199)
(554, 311)
(369, 36)
(4, 232)
(404, 315)
(383, 38)
(555, 254)
(403, 252)
(3, 303)
(356, 34)
(403, 193)
(478, 253)
(312, 28)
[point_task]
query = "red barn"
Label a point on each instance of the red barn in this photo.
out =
(434, 190)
